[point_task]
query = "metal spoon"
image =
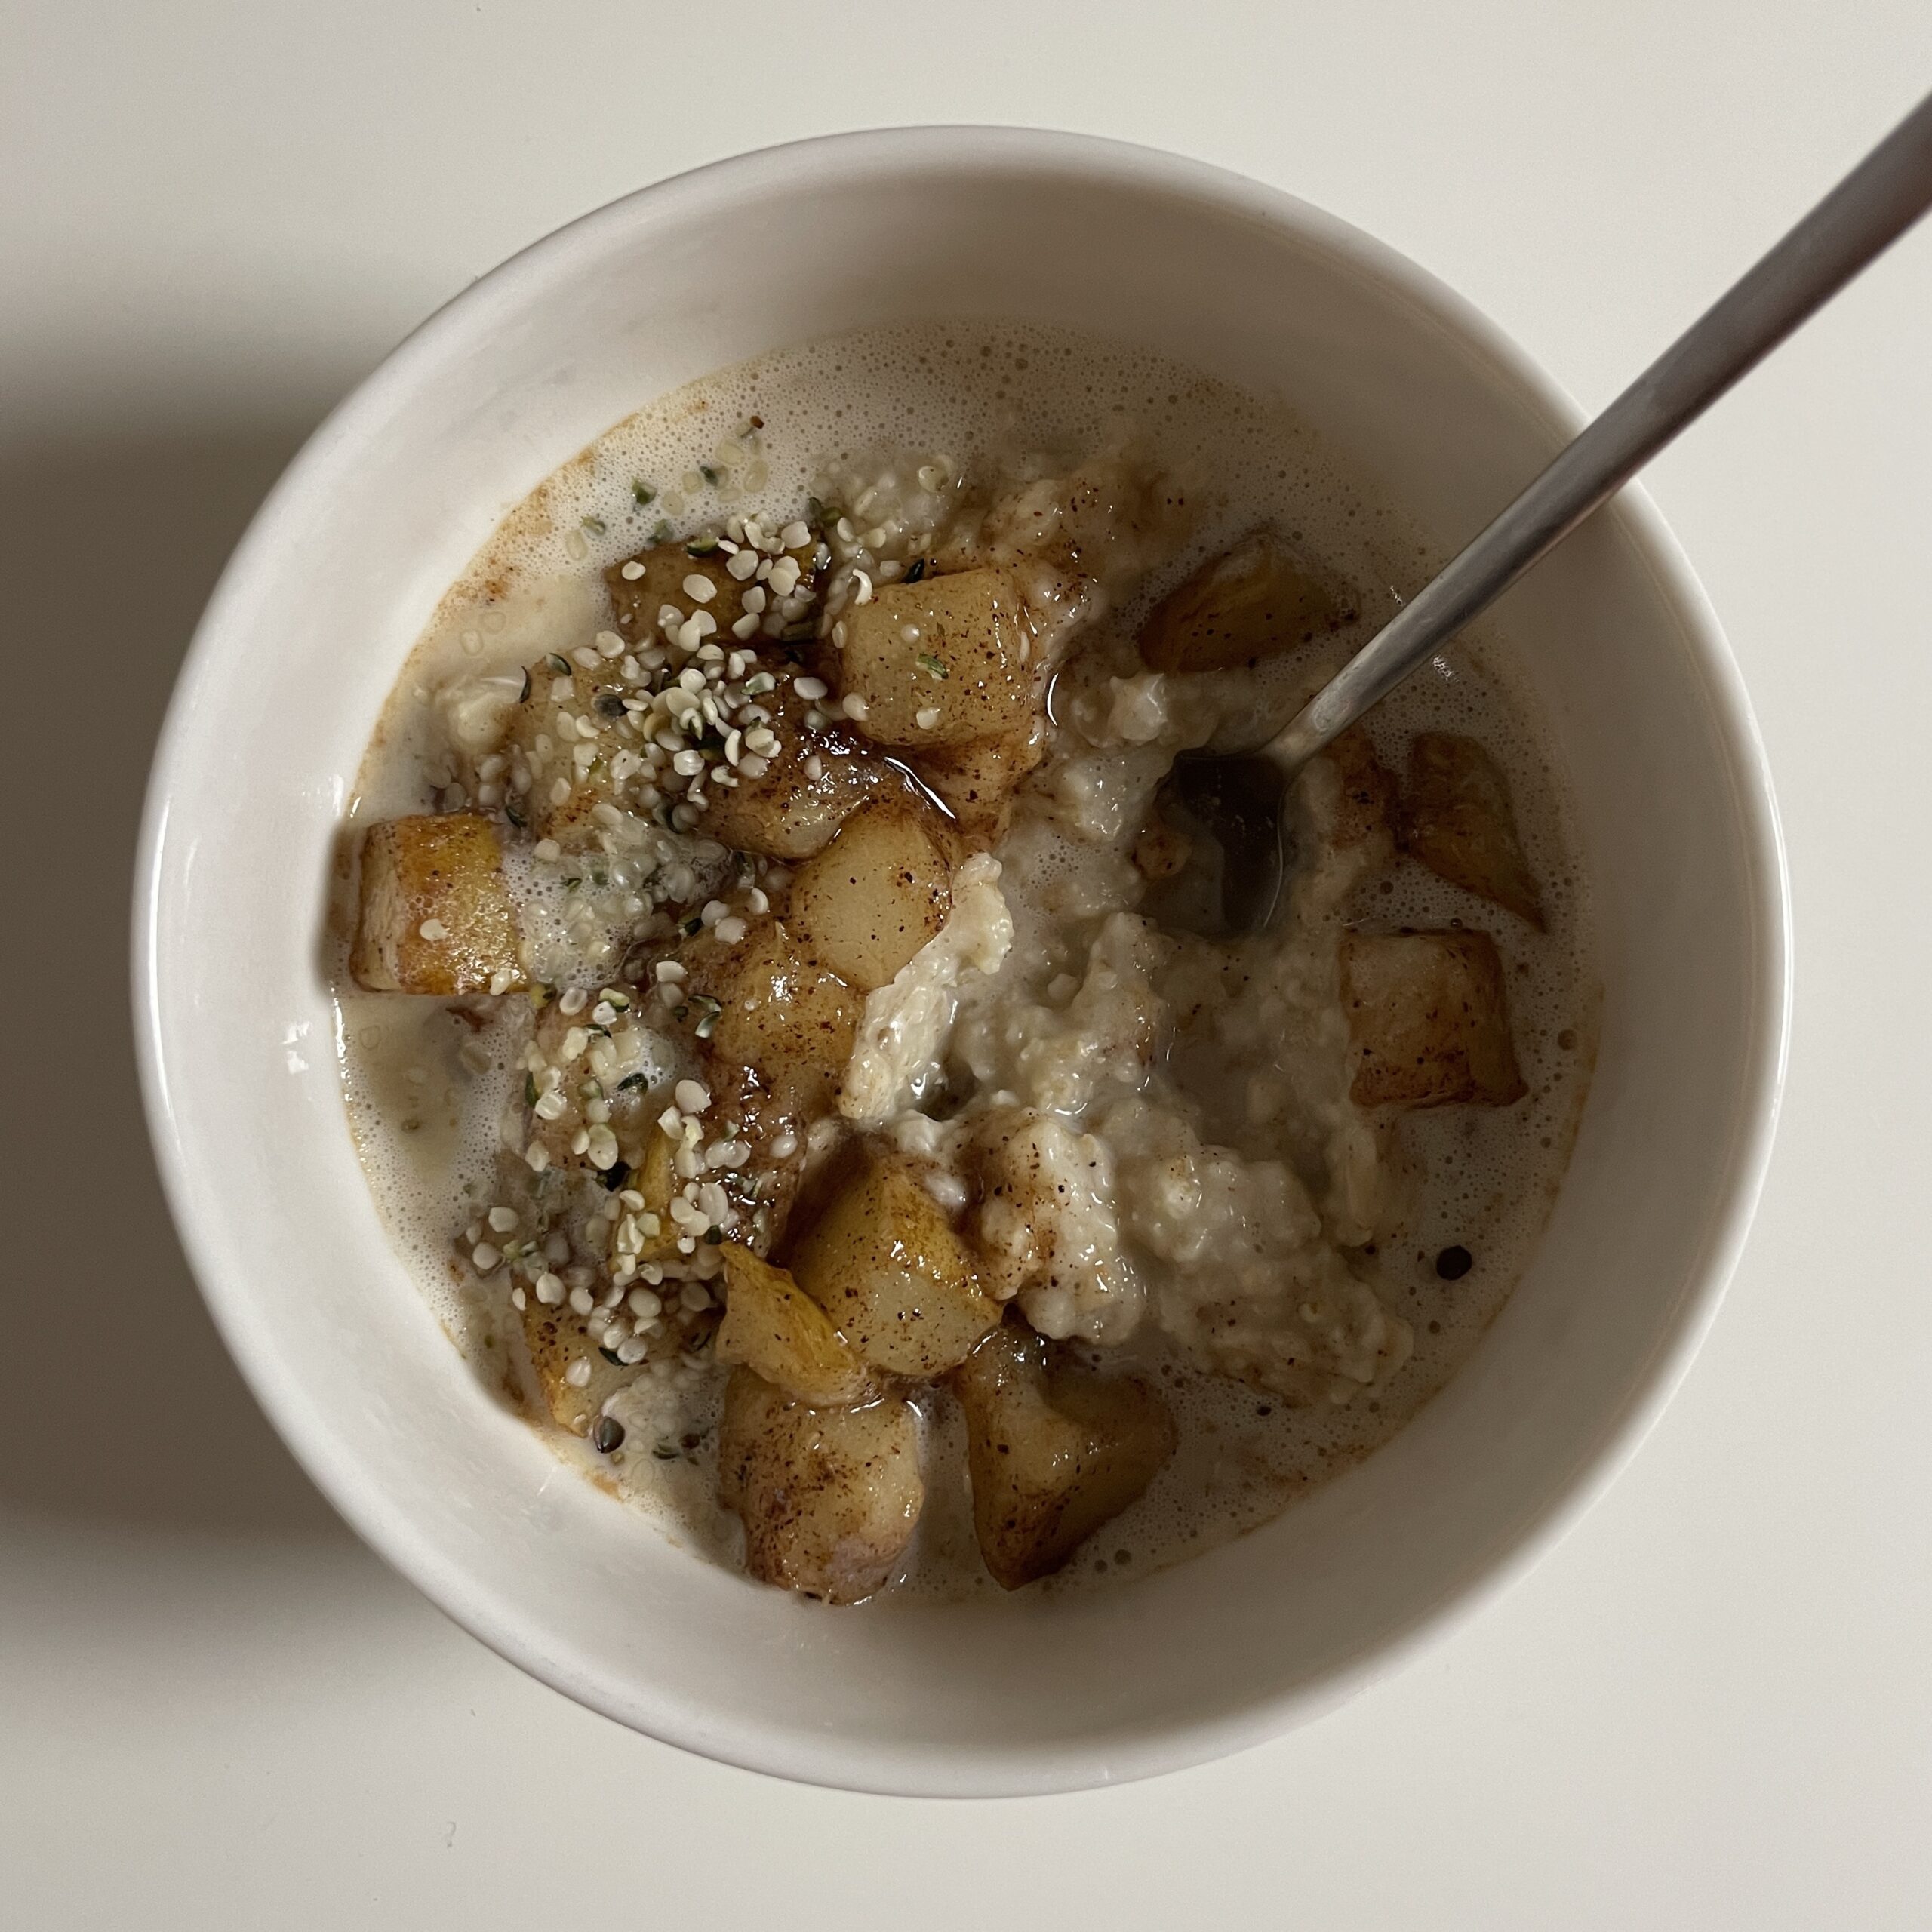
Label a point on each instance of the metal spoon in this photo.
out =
(1237, 800)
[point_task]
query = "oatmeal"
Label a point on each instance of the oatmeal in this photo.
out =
(762, 1026)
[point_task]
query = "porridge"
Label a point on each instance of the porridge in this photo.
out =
(760, 1021)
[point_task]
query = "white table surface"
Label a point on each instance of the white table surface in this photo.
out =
(1711, 1707)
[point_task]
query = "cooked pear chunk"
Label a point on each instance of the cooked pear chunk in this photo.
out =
(943, 661)
(873, 897)
(883, 1260)
(663, 570)
(781, 1012)
(1458, 821)
(772, 1327)
(976, 782)
(644, 583)
(557, 1343)
(657, 1180)
(829, 1497)
(1053, 1450)
(809, 786)
(436, 916)
(1365, 807)
(1429, 1020)
(1254, 601)
(568, 704)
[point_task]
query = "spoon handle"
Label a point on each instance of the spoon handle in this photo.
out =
(1867, 210)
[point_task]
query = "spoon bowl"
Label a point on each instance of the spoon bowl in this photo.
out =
(1231, 808)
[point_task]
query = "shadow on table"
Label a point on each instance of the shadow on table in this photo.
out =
(121, 1405)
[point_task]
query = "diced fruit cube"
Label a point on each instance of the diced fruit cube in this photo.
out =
(558, 1343)
(586, 1061)
(780, 1012)
(666, 567)
(883, 1260)
(561, 738)
(813, 783)
(1365, 808)
(772, 1327)
(829, 1498)
(1254, 601)
(657, 1180)
(1457, 820)
(1429, 1019)
(1054, 1451)
(436, 916)
(940, 662)
(976, 783)
(873, 897)
(663, 574)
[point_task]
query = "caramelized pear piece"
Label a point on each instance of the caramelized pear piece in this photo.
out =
(1365, 808)
(884, 1262)
(1254, 601)
(616, 1094)
(657, 1180)
(663, 570)
(1429, 1020)
(810, 785)
(943, 661)
(772, 1327)
(435, 916)
(1457, 820)
(781, 1012)
(557, 1341)
(829, 1498)
(1053, 1450)
(976, 782)
(866, 902)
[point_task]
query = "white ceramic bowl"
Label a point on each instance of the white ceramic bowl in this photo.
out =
(293, 660)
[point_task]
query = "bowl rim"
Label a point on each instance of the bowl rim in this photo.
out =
(1031, 1769)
